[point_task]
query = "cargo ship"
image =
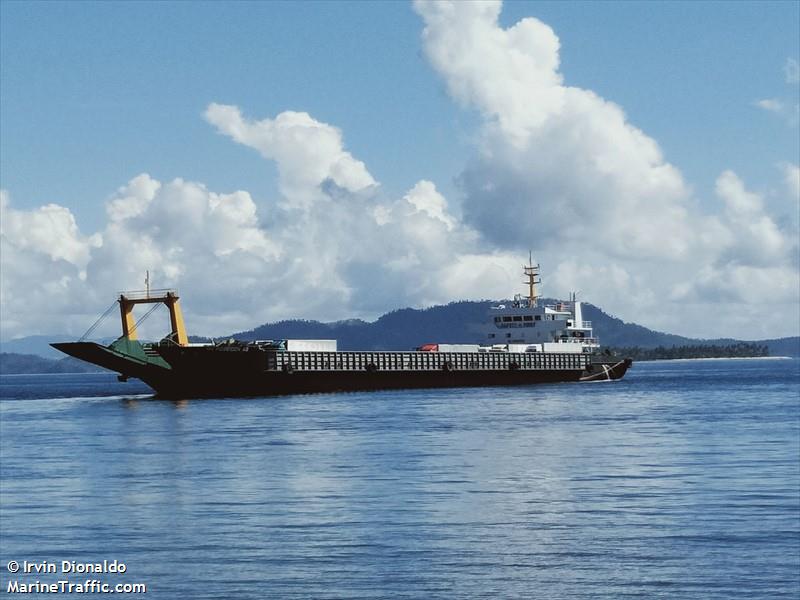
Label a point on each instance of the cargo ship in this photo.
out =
(523, 342)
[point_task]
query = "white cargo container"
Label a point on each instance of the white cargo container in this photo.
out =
(565, 348)
(311, 345)
(458, 347)
(518, 347)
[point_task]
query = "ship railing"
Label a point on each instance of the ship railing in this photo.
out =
(143, 294)
(166, 341)
(380, 361)
(580, 340)
(582, 325)
(560, 307)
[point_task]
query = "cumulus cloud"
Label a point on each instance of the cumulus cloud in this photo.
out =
(43, 262)
(370, 251)
(557, 164)
(50, 231)
(424, 197)
(306, 151)
(563, 170)
(556, 168)
(334, 247)
(756, 240)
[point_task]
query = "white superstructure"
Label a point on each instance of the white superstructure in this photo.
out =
(526, 326)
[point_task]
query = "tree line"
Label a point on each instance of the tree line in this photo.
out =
(737, 350)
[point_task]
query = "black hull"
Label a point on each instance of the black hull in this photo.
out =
(279, 384)
(607, 370)
(175, 372)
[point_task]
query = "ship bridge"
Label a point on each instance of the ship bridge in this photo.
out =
(526, 321)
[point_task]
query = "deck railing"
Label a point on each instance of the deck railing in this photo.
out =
(143, 294)
(424, 361)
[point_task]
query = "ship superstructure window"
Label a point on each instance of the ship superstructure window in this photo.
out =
(518, 318)
(506, 319)
(538, 317)
(498, 319)
(528, 318)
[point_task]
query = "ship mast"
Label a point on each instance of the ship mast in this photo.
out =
(531, 272)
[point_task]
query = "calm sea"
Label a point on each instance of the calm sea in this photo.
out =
(680, 481)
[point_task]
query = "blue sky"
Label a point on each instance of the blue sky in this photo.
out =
(94, 94)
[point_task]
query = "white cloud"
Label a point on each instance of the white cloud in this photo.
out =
(757, 241)
(43, 262)
(771, 104)
(424, 197)
(50, 230)
(561, 169)
(558, 164)
(369, 252)
(557, 169)
(133, 199)
(306, 151)
(788, 112)
(334, 247)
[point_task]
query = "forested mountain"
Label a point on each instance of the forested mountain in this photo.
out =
(459, 322)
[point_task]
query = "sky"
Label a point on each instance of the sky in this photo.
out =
(334, 160)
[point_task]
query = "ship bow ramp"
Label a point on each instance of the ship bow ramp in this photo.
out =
(127, 357)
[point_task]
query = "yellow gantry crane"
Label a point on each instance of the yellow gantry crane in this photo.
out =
(127, 300)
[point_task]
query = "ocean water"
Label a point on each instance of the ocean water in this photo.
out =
(680, 481)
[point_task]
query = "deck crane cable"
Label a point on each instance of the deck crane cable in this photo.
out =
(152, 309)
(97, 323)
